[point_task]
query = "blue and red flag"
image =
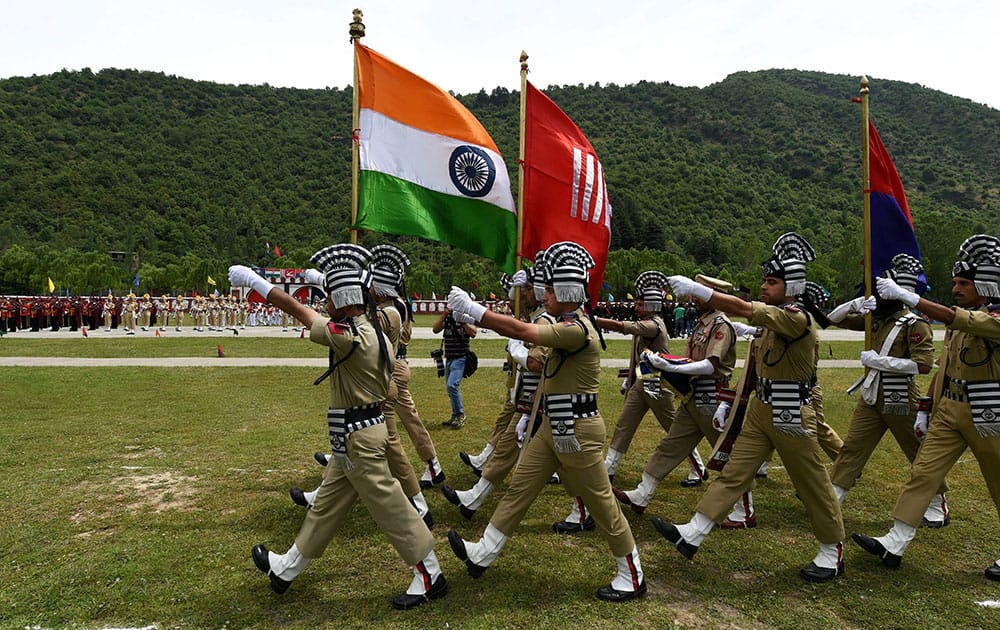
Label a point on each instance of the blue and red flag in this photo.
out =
(891, 224)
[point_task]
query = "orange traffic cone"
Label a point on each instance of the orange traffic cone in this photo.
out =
(221, 353)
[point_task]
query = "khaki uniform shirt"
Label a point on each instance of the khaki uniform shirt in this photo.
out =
(775, 358)
(367, 380)
(714, 337)
(649, 332)
(576, 374)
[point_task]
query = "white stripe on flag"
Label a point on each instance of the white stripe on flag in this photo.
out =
(421, 157)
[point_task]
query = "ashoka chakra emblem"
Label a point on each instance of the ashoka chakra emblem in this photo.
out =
(472, 171)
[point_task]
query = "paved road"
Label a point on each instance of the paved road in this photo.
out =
(279, 362)
(274, 331)
(832, 334)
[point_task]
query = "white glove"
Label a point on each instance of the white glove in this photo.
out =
(719, 419)
(519, 279)
(857, 306)
(243, 276)
(889, 290)
(697, 368)
(518, 351)
(522, 428)
(744, 330)
(314, 276)
(460, 302)
(920, 424)
(682, 285)
(462, 318)
(872, 359)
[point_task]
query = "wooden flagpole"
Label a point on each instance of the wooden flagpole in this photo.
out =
(357, 31)
(520, 180)
(866, 193)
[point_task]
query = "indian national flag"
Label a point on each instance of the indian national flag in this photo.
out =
(428, 168)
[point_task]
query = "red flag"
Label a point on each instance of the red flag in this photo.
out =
(221, 353)
(891, 223)
(565, 195)
(277, 252)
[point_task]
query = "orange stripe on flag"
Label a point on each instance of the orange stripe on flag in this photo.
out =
(394, 91)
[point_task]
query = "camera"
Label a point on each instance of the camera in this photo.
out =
(438, 356)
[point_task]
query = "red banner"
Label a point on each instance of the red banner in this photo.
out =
(565, 195)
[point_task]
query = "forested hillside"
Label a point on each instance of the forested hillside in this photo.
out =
(191, 176)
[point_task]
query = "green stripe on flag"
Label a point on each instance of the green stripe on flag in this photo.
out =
(396, 206)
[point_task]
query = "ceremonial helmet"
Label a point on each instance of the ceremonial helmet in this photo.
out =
(791, 253)
(347, 269)
(979, 261)
(389, 265)
(650, 287)
(905, 271)
(567, 269)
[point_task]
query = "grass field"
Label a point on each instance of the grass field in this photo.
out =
(132, 498)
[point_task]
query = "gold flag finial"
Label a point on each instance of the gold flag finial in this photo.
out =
(524, 61)
(864, 85)
(357, 29)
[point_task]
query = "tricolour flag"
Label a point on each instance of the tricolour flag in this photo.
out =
(565, 195)
(891, 224)
(427, 166)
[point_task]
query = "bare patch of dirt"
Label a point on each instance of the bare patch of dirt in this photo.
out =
(158, 492)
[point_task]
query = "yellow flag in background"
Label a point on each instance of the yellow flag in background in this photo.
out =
(210, 281)
(52, 286)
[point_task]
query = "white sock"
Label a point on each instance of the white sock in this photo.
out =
(579, 512)
(424, 574)
(937, 509)
(420, 504)
(697, 466)
(488, 548)
(287, 566)
(311, 497)
(629, 575)
(644, 491)
(829, 556)
(840, 492)
(480, 460)
(612, 459)
(473, 497)
(897, 538)
(695, 531)
(742, 509)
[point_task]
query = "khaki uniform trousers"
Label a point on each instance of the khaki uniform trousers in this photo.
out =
(950, 432)
(687, 430)
(583, 472)
(503, 421)
(505, 448)
(370, 480)
(637, 403)
(868, 425)
(399, 463)
(407, 412)
(828, 439)
(802, 458)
